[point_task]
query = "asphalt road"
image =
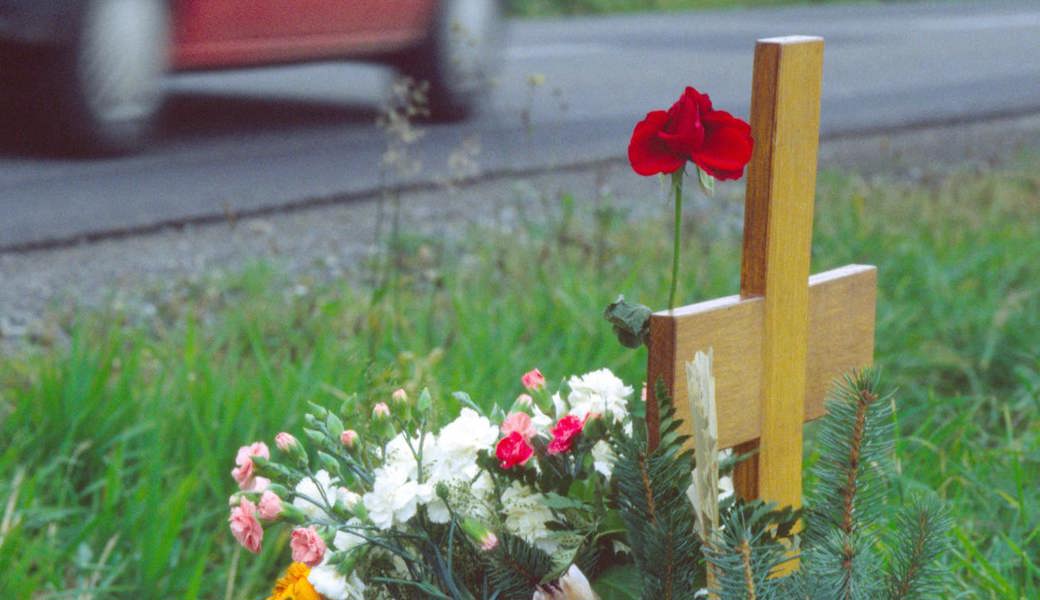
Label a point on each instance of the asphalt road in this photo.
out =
(258, 140)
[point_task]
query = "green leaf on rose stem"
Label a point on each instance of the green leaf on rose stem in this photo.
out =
(631, 322)
(707, 182)
(619, 583)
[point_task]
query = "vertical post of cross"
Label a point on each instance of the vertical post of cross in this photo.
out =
(781, 185)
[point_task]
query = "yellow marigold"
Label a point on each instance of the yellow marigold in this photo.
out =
(294, 585)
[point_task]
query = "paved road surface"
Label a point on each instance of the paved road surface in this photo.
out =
(249, 141)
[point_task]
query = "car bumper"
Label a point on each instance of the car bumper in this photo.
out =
(35, 21)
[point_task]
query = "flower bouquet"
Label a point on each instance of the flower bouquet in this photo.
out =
(515, 504)
(563, 497)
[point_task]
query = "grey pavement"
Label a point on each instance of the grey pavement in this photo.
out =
(261, 140)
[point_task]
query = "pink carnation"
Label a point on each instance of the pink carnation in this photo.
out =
(533, 379)
(381, 410)
(307, 546)
(348, 438)
(245, 527)
(270, 506)
(520, 423)
(399, 395)
(244, 471)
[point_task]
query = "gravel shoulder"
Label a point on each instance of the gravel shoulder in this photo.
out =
(332, 240)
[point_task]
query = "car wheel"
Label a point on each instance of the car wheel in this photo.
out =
(460, 55)
(109, 78)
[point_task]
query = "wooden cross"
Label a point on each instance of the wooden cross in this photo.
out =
(781, 344)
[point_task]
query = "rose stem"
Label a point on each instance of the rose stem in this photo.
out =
(677, 178)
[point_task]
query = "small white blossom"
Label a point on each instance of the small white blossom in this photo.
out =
(333, 586)
(603, 458)
(315, 494)
(348, 540)
(526, 516)
(541, 421)
(599, 392)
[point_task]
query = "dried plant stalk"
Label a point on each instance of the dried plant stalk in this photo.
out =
(705, 489)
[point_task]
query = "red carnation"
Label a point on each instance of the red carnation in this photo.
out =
(716, 141)
(564, 433)
(513, 450)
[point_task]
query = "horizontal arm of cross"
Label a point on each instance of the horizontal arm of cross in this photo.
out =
(841, 337)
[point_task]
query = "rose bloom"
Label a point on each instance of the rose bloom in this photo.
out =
(270, 506)
(714, 140)
(244, 471)
(533, 379)
(513, 450)
(564, 433)
(245, 527)
(519, 422)
(307, 546)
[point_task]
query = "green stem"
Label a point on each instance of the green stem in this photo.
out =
(677, 179)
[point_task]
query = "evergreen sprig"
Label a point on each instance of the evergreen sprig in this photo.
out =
(845, 557)
(747, 549)
(515, 568)
(657, 513)
(919, 541)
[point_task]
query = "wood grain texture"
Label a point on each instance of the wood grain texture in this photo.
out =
(841, 337)
(781, 188)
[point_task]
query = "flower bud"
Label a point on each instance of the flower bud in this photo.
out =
(291, 446)
(334, 425)
(284, 441)
(348, 438)
(480, 534)
(522, 402)
(399, 396)
(380, 411)
(329, 463)
(533, 380)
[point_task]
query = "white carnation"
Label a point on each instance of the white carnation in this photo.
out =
(454, 455)
(348, 540)
(526, 516)
(314, 495)
(395, 497)
(599, 392)
(332, 586)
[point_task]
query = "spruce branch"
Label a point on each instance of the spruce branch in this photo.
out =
(920, 541)
(655, 509)
(516, 568)
(748, 548)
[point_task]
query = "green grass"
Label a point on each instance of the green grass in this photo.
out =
(115, 452)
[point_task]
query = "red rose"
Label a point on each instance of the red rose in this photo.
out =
(564, 434)
(716, 141)
(513, 450)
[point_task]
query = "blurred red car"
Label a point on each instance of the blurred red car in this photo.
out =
(94, 67)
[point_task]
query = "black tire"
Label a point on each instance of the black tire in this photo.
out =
(100, 92)
(457, 61)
